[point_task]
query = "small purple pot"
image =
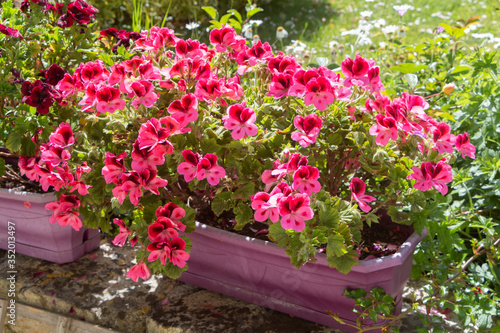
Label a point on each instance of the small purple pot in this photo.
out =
(260, 272)
(35, 236)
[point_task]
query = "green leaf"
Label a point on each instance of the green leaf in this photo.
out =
(335, 246)
(28, 147)
(216, 24)
(460, 69)
(13, 142)
(210, 11)
(254, 11)
(246, 191)
(408, 68)
(209, 146)
(223, 20)
(328, 215)
(278, 235)
(222, 202)
(107, 59)
(243, 215)
(236, 14)
(344, 264)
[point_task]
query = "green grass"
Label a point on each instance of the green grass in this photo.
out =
(419, 22)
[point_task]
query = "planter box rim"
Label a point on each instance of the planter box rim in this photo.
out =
(363, 266)
(27, 196)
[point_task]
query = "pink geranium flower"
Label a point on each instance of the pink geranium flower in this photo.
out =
(384, 129)
(300, 79)
(224, 37)
(294, 211)
(65, 211)
(115, 166)
(159, 250)
(308, 127)
(280, 85)
(357, 187)
(208, 168)
(189, 168)
(184, 110)
(443, 138)
(122, 236)
(147, 158)
(319, 92)
(240, 120)
(305, 180)
(464, 146)
(173, 212)
(140, 270)
(108, 100)
(178, 255)
(162, 230)
(63, 136)
(151, 182)
(432, 175)
(355, 71)
(144, 92)
(266, 206)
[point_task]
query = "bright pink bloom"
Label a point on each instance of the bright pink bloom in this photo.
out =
(66, 86)
(319, 92)
(92, 72)
(300, 79)
(185, 109)
(443, 138)
(208, 168)
(379, 104)
(283, 64)
(431, 174)
(27, 166)
(65, 211)
(259, 53)
(374, 82)
(145, 92)
(188, 48)
(208, 89)
(305, 180)
(357, 187)
(280, 85)
(385, 129)
(226, 37)
(308, 127)
(108, 100)
(151, 182)
(63, 136)
(294, 211)
(171, 211)
(147, 158)
(159, 250)
(83, 189)
(162, 230)
(131, 185)
(178, 255)
(153, 134)
(140, 270)
(55, 155)
(123, 234)
(464, 146)
(266, 206)
(115, 166)
(355, 71)
(189, 168)
(240, 120)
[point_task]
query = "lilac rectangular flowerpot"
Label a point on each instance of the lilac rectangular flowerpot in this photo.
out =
(260, 272)
(35, 236)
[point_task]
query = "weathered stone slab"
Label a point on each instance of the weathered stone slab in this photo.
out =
(95, 289)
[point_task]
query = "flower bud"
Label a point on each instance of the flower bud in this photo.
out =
(448, 88)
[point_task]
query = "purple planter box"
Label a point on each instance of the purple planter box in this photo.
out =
(35, 236)
(260, 272)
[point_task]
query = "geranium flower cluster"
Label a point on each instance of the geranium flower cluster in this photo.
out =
(291, 203)
(10, 31)
(79, 11)
(179, 87)
(406, 116)
(50, 168)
